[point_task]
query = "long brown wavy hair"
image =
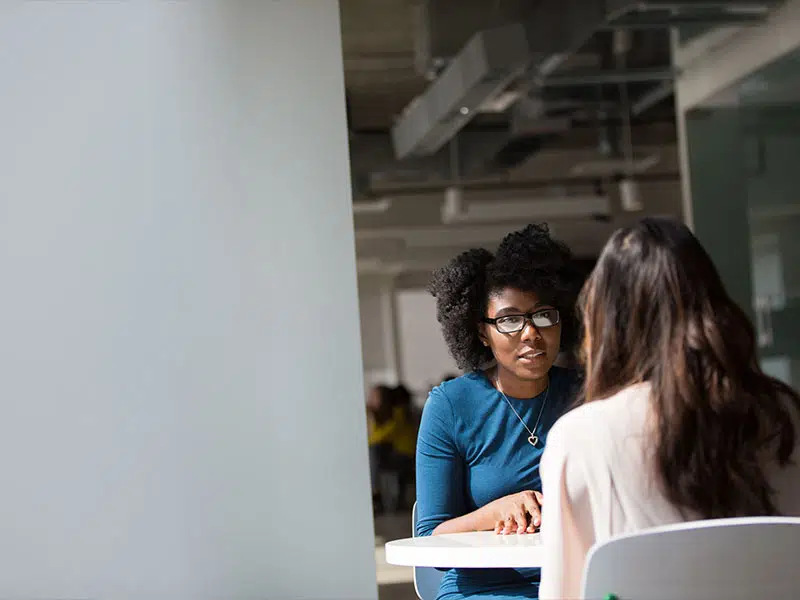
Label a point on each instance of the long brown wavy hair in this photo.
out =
(655, 310)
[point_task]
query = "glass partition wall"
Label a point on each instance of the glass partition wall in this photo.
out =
(744, 164)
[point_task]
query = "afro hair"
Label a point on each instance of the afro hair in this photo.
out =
(528, 260)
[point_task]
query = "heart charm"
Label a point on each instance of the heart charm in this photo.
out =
(533, 440)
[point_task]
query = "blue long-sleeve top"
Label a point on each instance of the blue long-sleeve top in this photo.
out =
(471, 450)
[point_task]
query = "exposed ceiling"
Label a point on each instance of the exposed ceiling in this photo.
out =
(378, 49)
(777, 84)
(558, 128)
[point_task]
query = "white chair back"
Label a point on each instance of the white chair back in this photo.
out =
(426, 579)
(734, 559)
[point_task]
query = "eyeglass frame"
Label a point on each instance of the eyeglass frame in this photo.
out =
(528, 318)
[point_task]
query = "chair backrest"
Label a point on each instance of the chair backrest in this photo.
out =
(735, 559)
(426, 579)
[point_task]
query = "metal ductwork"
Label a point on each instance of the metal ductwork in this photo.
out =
(483, 69)
(442, 27)
(671, 13)
(374, 162)
(489, 62)
(528, 54)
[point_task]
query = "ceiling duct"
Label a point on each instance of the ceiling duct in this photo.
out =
(479, 75)
(458, 209)
(549, 34)
(484, 68)
(442, 27)
(671, 13)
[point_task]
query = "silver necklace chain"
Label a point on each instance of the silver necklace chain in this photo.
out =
(533, 439)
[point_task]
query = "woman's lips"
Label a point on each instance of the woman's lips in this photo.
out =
(532, 356)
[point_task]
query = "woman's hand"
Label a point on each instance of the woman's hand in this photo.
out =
(518, 513)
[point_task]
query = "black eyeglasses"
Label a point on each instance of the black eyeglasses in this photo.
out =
(541, 319)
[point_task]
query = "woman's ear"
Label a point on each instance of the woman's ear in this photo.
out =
(482, 335)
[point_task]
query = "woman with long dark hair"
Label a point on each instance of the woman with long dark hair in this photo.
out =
(678, 421)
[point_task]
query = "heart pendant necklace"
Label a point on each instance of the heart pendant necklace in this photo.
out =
(533, 439)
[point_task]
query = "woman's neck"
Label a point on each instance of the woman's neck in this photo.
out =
(511, 385)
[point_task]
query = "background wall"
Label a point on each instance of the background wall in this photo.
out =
(376, 301)
(182, 419)
(401, 339)
(425, 357)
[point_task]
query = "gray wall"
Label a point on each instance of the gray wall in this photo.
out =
(401, 339)
(181, 375)
(374, 330)
(424, 354)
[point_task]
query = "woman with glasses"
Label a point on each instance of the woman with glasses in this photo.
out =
(482, 434)
(679, 422)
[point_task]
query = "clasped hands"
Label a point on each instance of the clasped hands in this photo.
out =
(517, 513)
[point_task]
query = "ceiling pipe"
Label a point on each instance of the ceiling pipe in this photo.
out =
(652, 97)
(371, 207)
(608, 78)
(456, 210)
(507, 185)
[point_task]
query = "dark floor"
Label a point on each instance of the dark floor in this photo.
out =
(396, 591)
(394, 583)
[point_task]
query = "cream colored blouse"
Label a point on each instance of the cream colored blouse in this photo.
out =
(596, 484)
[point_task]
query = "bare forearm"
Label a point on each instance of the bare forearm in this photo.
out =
(520, 512)
(482, 519)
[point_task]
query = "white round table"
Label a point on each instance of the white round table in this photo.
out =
(477, 550)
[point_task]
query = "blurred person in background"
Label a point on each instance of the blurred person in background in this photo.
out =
(678, 421)
(404, 443)
(380, 426)
(392, 444)
(505, 318)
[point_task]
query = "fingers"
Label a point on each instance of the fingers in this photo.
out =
(506, 526)
(510, 526)
(522, 515)
(540, 499)
(532, 507)
(521, 518)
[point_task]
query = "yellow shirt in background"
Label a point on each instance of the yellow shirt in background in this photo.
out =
(398, 431)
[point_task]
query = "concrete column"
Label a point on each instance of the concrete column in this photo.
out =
(180, 365)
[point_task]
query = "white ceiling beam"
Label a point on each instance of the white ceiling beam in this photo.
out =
(369, 207)
(719, 59)
(456, 210)
(437, 235)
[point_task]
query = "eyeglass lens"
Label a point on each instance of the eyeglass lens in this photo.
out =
(514, 323)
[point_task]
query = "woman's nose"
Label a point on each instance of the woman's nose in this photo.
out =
(530, 332)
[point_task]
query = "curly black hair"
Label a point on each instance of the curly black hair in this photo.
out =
(528, 260)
